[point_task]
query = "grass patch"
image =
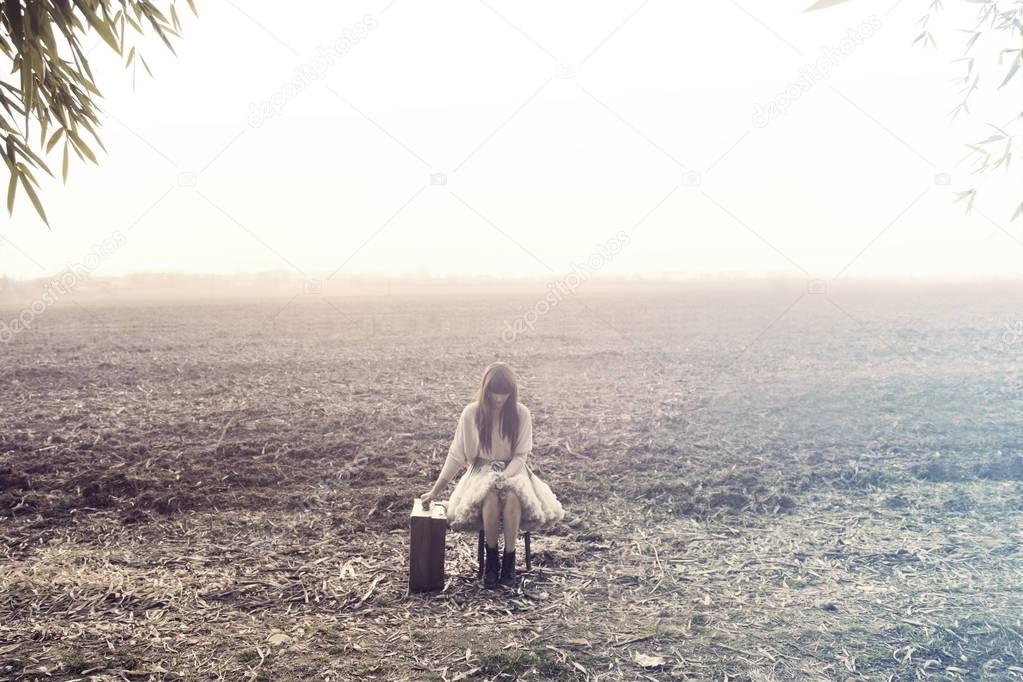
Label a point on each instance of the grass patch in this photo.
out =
(906, 650)
(78, 661)
(897, 501)
(1008, 468)
(249, 656)
(941, 472)
(959, 502)
(75, 662)
(848, 478)
(516, 664)
(660, 629)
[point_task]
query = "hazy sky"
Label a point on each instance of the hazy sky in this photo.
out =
(515, 137)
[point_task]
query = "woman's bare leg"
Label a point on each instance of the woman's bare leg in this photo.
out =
(491, 518)
(512, 516)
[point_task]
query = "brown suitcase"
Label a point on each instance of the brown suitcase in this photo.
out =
(427, 528)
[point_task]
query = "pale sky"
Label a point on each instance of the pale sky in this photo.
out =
(554, 127)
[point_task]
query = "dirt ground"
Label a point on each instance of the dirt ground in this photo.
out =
(761, 483)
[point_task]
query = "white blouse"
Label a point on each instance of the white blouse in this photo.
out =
(465, 446)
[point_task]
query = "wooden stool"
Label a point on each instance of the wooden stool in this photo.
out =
(482, 542)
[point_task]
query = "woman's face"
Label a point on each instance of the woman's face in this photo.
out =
(497, 400)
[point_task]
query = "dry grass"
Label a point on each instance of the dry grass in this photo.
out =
(197, 492)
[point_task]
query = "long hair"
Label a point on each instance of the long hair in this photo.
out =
(498, 378)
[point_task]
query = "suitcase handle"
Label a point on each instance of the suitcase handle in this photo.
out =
(426, 507)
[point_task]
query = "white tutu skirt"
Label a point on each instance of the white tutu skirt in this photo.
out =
(465, 506)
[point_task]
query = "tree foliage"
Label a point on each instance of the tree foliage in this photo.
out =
(53, 84)
(1003, 19)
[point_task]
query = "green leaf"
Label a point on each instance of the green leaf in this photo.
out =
(10, 193)
(35, 199)
(107, 35)
(27, 173)
(91, 87)
(54, 139)
(1012, 72)
(134, 24)
(101, 25)
(971, 41)
(88, 126)
(64, 167)
(81, 146)
(8, 155)
(27, 152)
(969, 195)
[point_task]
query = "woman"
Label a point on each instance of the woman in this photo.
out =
(492, 440)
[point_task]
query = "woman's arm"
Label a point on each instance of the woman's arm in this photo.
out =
(451, 466)
(517, 463)
(455, 459)
(523, 444)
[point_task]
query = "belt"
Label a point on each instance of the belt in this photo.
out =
(497, 465)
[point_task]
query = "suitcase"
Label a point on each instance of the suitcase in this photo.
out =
(428, 527)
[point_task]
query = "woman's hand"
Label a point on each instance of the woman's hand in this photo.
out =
(514, 466)
(428, 498)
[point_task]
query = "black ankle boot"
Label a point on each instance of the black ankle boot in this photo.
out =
(508, 567)
(490, 576)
